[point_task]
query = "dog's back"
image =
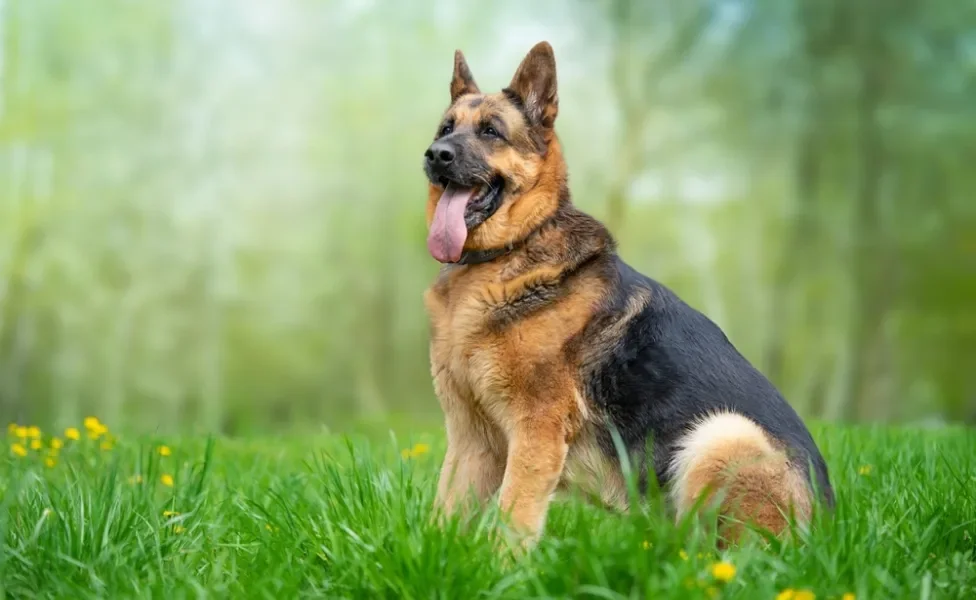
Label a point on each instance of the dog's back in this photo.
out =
(673, 378)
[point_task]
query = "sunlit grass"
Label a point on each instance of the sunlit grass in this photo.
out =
(341, 518)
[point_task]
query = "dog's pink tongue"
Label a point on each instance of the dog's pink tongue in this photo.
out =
(448, 231)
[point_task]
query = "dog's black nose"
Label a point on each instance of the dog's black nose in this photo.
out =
(440, 154)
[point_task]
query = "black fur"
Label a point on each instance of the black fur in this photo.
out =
(673, 365)
(516, 101)
(663, 369)
(532, 300)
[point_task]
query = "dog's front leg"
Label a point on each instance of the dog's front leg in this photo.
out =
(472, 471)
(475, 459)
(536, 456)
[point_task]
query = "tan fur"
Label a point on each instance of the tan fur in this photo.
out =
(589, 470)
(511, 387)
(517, 423)
(462, 82)
(515, 384)
(513, 221)
(475, 460)
(534, 179)
(730, 459)
(609, 333)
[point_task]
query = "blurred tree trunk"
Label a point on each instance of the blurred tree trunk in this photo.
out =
(622, 75)
(820, 39)
(373, 351)
(376, 348)
(799, 240)
(16, 326)
(650, 40)
(798, 246)
(869, 271)
(384, 353)
(628, 165)
(11, 335)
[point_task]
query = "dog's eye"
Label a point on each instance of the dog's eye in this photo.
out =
(490, 132)
(447, 129)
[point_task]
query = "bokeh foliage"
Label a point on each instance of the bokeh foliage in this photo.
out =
(211, 212)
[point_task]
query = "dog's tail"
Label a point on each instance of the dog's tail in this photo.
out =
(734, 464)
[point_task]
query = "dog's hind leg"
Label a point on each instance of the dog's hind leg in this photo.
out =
(728, 461)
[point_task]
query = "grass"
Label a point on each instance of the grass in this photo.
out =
(348, 518)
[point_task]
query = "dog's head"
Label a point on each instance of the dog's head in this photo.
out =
(495, 169)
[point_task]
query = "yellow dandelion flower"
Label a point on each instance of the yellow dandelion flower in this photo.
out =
(164, 451)
(166, 480)
(134, 479)
(416, 451)
(786, 594)
(96, 428)
(50, 462)
(57, 443)
(11, 428)
(170, 513)
(33, 432)
(20, 432)
(848, 596)
(72, 433)
(19, 450)
(804, 595)
(723, 571)
(646, 545)
(864, 470)
(178, 529)
(683, 555)
(36, 444)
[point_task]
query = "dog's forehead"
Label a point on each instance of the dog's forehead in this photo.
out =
(474, 108)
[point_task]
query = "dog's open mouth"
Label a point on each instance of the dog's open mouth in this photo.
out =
(459, 209)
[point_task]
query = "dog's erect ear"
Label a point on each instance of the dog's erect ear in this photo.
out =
(463, 81)
(535, 83)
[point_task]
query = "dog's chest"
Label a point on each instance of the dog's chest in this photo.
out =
(494, 337)
(464, 354)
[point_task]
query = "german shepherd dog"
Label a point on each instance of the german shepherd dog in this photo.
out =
(544, 342)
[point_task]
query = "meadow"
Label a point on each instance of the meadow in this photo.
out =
(87, 513)
(212, 222)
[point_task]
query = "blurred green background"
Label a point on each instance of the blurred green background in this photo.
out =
(212, 211)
